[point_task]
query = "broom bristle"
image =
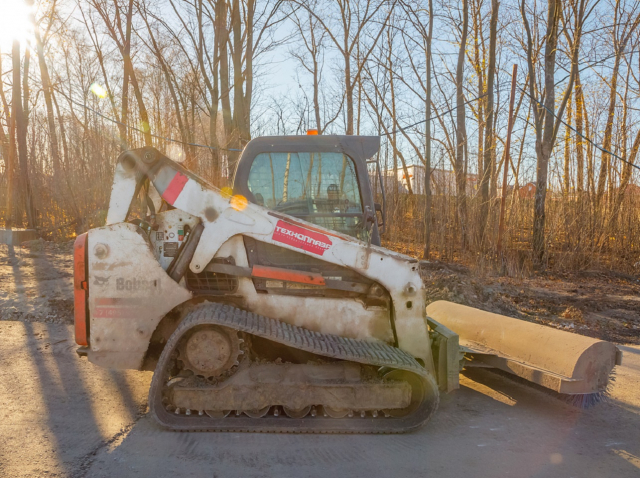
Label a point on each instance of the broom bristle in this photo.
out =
(588, 400)
(585, 400)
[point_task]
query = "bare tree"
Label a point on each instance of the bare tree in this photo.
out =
(579, 100)
(428, 39)
(461, 132)
(47, 88)
(20, 122)
(354, 19)
(489, 129)
(313, 38)
(193, 69)
(112, 18)
(547, 121)
(624, 24)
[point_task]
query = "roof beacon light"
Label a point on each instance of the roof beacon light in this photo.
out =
(312, 132)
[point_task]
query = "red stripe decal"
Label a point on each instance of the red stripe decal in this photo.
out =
(287, 275)
(133, 301)
(118, 312)
(174, 188)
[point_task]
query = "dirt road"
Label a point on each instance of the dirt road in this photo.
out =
(61, 416)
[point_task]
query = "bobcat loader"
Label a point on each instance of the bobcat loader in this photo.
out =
(272, 306)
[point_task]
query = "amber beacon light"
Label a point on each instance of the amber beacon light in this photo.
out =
(312, 132)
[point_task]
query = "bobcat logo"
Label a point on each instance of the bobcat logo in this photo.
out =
(138, 284)
(101, 280)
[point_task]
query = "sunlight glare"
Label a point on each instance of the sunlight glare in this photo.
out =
(15, 24)
(175, 152)
(238, 202)
(98, 90)
(226, 192)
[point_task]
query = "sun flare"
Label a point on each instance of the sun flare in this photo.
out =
(15, 23)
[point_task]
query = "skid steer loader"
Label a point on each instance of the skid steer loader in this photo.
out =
(272, 306)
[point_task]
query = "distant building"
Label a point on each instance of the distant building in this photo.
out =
(443, 181)
(388, 180)
(527, 191)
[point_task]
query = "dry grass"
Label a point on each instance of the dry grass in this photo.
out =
(579, 235)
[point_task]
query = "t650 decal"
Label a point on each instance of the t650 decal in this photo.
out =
(301, 238)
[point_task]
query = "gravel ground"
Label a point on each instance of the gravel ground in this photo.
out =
(36, 282)
(62, 416)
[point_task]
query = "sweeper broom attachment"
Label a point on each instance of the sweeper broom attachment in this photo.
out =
(578, 368)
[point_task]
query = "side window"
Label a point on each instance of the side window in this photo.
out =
(319, 187)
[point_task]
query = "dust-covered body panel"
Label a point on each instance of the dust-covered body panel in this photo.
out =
(154, 287)
(129, 293)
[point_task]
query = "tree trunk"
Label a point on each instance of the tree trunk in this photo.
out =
(489, 141)
(221, 8)
(169, 80)
(144, 116)
(544, 147)
(63, 136)
(579, 141)
(248, 71)
(25, 86)
(348, 85)
(48, 91)
(9, 152)
(219, 31)
(239, 114)
(427, 140)
(4, 143)
(567, 150)
(124, 144)
(616, 197)
(608, 130)
(627, 170)
(238, 93)
(121, 122)
(461, 135)
(129, 74)
(316, 79)
(21, 134)
(392, 90)
(479, 64)
(590, 166)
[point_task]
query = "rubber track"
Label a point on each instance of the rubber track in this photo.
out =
(333, 346)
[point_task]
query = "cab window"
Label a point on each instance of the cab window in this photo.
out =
(321, 188)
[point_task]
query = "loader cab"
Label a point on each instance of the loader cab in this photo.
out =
(320, 179)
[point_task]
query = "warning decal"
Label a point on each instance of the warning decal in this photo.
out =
(170, 249)
(117, 308)
(301, 238)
